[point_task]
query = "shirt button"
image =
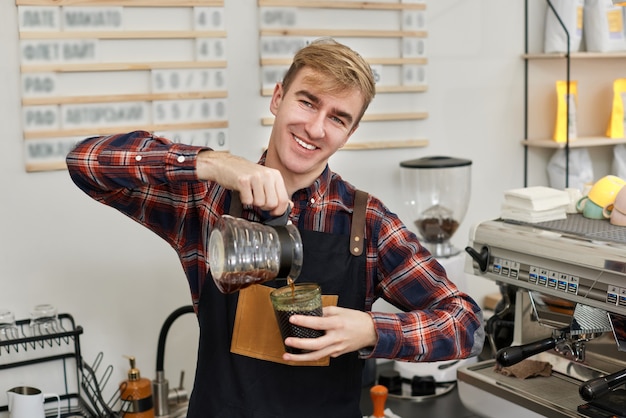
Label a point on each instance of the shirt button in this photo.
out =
(312, 200)
(138, 158)
(181, 159)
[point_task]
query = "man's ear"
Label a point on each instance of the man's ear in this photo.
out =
(277, 97)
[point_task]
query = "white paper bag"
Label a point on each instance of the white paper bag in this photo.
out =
(580, 169)
(619, 161)
(571, 13)
(604, 26)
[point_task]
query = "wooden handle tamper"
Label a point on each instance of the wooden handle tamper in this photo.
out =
(378, 394)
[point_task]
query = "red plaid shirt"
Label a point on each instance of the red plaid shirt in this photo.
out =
(153, 181)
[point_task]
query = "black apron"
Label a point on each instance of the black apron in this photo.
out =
(234, 386)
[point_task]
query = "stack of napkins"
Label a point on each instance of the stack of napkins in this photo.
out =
(535, 204)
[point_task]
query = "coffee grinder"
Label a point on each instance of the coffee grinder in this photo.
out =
(437, 190)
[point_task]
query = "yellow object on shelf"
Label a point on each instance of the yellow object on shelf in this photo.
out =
(565, 116)
(617, 119)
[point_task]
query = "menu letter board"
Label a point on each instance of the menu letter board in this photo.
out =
(95, 67)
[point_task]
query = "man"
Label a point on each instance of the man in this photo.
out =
(180, 191)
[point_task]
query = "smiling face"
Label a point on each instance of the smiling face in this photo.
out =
(312, 121)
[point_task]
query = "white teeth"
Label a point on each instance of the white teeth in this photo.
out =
(304, 144)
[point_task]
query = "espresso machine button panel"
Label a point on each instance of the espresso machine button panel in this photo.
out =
(539, 278)
(616, 295)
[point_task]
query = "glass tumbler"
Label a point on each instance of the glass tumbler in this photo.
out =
(43, 320)
(300, 299)
(8, 329)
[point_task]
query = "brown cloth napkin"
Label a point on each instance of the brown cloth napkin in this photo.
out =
(525, 369)
(256, 333)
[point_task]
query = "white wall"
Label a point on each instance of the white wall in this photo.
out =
(120, 281)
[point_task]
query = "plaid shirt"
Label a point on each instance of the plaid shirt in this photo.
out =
(153, 181)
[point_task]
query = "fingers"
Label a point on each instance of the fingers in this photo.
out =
(346, 330)
(270, 197)
(315, 348)
(264, 188)
(258, 185)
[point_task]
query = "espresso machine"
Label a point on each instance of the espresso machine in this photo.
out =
(564, 284)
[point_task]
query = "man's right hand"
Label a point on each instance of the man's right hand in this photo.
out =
(257, 185)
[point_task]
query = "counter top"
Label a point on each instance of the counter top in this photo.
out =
(443, 406)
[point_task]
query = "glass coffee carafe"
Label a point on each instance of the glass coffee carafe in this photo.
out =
(242, 253)
(437, 190)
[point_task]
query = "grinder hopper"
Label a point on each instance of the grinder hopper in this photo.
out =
(437, 190)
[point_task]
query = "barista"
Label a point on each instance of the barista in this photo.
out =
(179, 191)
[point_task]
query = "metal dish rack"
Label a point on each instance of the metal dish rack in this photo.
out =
(60, 345)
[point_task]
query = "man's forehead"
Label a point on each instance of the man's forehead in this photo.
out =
(320, 85)
(321, 81)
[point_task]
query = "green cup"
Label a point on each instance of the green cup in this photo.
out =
(305, 299)
(589, 209)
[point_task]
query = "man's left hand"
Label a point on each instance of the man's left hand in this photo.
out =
(346, 330)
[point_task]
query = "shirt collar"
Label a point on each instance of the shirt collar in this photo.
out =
(315, 192)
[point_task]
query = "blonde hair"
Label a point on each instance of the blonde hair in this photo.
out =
(340, 69)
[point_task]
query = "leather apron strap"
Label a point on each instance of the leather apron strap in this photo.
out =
(357, 229)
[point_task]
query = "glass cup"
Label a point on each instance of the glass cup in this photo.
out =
(8, 329)
(43, 320)
(302, 299)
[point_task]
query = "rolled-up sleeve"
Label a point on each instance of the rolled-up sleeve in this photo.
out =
(130, 160)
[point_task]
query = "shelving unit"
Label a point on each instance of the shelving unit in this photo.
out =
(588, 136)
(59, 347)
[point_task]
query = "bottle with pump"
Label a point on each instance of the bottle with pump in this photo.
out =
(136, 394)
